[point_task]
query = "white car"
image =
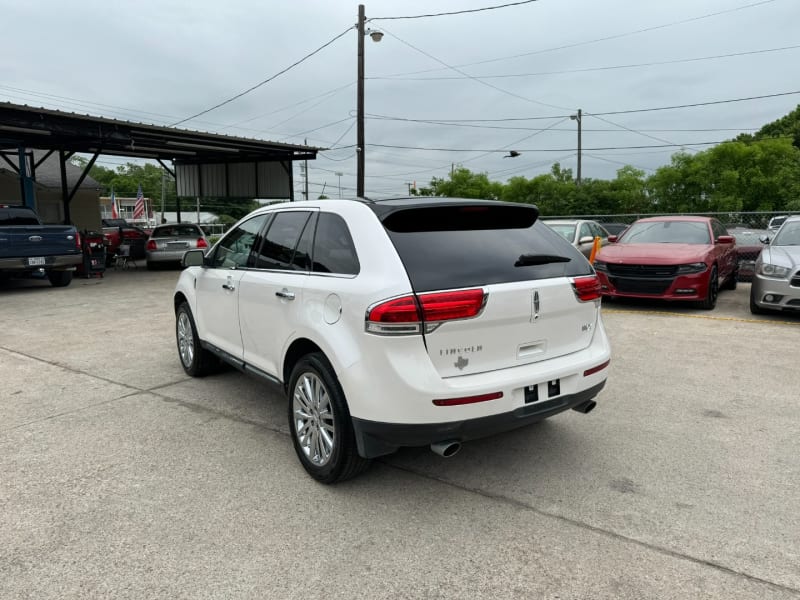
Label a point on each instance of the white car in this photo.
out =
(405, 322)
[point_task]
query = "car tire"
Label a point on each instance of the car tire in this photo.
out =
(59, 278)
(733, 280)
(319, 422)
(195, 360)
(710, 300)
(151, 266)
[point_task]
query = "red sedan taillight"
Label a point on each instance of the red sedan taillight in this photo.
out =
(586, 288)
(202, 243)
(406, 314)
(151, 245)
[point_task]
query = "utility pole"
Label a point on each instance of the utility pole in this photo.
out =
(306, 171)
(578, 119)
(339, 175)
(360, 158)
(163, 190)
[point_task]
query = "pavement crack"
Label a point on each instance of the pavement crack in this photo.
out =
(598, 530)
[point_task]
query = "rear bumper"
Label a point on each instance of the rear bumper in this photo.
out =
(62, 262)
(170, 256)
(376, 439)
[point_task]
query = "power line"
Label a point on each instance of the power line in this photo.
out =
(475, 126)
(617, 162)
(456, 12)
(602, 39)
(408, 119)
(467, 75)
(490, 151)
(591, 69)
(640, 110)
(258, 85)
(594, 114)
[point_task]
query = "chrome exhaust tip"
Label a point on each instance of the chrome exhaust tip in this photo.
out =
(586, 407)
(446, 449)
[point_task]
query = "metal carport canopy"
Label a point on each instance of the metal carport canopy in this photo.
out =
(192, 152)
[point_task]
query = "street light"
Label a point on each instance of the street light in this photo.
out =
(360, 151)
(578, 119)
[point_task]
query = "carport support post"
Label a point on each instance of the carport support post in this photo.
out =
(62, 163)
(25, 181)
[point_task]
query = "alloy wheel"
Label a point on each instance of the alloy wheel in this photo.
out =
(185, 339)
(313, 419)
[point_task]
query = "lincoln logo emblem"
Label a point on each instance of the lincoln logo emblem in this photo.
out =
(461, 363)
(535, 312)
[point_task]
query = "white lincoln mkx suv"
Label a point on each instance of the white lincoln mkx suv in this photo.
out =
(404, 322)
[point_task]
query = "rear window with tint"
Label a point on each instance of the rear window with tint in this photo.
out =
(17, 216)
(465, 246)
(177, 231)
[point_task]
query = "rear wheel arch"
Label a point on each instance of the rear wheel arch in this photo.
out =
(297, 350)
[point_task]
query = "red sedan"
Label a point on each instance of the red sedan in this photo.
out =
(669, 258)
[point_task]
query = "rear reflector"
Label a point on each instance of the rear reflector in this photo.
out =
(468, 399)
(596, 369)
(586, 288)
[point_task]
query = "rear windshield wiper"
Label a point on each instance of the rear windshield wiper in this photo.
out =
(526, 260)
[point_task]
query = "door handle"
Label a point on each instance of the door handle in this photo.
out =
(285, 294)
(229, 287)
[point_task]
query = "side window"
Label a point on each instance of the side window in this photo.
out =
(718, 229)
(334, 251)
(585, 231)
(302, 254)
(597, 230)
(234, 249)
(280, 241)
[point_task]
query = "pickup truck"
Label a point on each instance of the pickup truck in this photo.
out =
(119, 231)
(28, 247)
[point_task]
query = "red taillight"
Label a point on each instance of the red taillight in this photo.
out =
(202, 243)
(151, 245)
(468, 399)
(596, 369)
(445, 306)
(586, 288)
(405, 315)
(399, 310)
(78, 241)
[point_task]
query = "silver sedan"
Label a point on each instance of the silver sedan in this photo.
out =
(578, 232)
(168, 243)
(776, 283)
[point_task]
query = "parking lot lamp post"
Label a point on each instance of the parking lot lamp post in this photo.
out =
(577, 118)
(360, 151)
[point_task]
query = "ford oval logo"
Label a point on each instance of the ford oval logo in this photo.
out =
(35, 238)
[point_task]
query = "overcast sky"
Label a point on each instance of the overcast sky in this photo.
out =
(159, 61)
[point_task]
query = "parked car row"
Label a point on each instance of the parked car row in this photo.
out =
(691, 258)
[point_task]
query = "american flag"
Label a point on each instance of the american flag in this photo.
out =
(138, 208)
(114, 211)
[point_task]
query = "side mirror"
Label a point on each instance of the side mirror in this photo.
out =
(764, 239)
(193, 258)
(587, 239)
(612, 239)
(726, 239)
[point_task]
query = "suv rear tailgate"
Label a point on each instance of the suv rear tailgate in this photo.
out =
(522, 322)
